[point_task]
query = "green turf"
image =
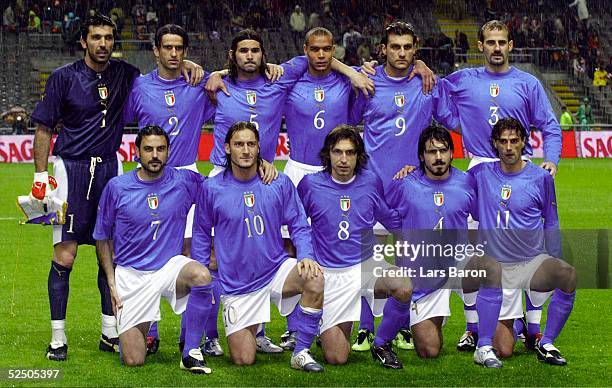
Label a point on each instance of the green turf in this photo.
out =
(583, 190)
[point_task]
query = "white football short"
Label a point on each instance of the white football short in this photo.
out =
(516, 277)
(431, 305)
(140, 292)
(242, 311)
(342, 296)
(189, 225)
(368, 281)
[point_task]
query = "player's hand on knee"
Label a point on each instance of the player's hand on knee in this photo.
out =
(117, 305)
(551, 167)
(274, 72)
(427, 76)
(404, 172)
(369, 68)
(267, 172)
(193, 73)
(214, 84)
(308, 268)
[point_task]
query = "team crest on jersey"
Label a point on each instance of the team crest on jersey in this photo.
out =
(152, 201)
(439, 198)
(400, 100)
(494, 90)
(251, 98)
(103, 92)
(249, 199)
(345, 203)
(505, 192)
(319, 95)
(170, 99)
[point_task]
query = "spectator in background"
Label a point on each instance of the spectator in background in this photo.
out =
(446, 56)
(71, 31)
(33, 22)
(297, 21)
(584, 116)
(462, 45)
(364, 51)
(600, 77)
(314, 21)
(565, 121)
(57, 18)
(8, 19)
(579, 66)
(583, 12)
(152, 20)
(609, 68)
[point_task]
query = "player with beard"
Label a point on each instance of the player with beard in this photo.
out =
(434, 203)
(139, 232)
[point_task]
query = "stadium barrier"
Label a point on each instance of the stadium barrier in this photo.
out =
(576, 144)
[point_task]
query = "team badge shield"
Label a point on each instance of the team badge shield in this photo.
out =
(399, 100)
(319, 95)
(152, 201)
(438, 199)
(505, 192)
(103, 92)
(170, 99)
(251, 98)
(249, 199)
(494, 90)
(345, 204)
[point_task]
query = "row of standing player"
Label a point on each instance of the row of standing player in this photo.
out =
(246, 62)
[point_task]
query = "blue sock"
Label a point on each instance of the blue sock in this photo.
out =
(105, 298)
(533, 324)
(470, 325)
(196, 314)
(211, 322)
(406, 324)
(58, 285)
(292, 323)
(262, 331)
(366, 321)
(307, 327)
(518, 327)
(559, 309)
(153, 331)
(488, 305)
(183, 328)
(394, 316)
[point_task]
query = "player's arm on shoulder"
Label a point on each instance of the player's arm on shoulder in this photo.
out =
(267, 172)
(427, 75)
(359, 81)
(192, 72)
(214, 83)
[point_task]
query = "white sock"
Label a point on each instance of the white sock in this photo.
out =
(534, 316)
(109, 326)
(58, 335)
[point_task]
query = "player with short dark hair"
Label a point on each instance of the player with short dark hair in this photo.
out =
(393, 120)
(139, 232)
(87, 98)
(253, 266)
(344, 202)
(517, 212)
(482, 97)
(434, 203)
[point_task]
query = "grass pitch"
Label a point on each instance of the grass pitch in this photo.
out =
(583, 191)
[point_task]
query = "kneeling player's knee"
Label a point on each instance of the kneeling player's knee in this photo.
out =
(201, 277)
(314, 285)
(403, 294)
(243, 359)
(133, 360)
(428, 351)
(336, 358)
(568, 278)
(505, 351)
